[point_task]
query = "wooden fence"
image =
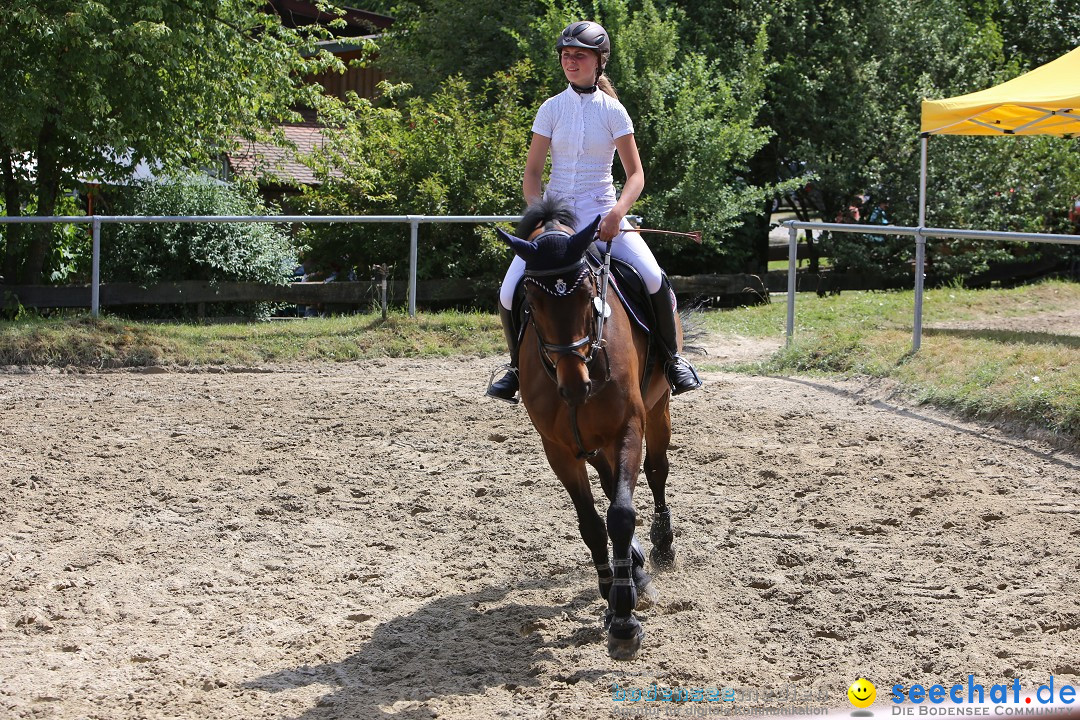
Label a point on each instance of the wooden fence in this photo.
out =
(718, 289)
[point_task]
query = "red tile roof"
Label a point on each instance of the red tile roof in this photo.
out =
(276, 164)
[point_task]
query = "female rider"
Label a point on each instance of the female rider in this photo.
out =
(582, 127)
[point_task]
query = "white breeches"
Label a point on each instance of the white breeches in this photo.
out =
(627, 246)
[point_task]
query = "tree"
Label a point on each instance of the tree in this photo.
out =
(93, 87)
(694, 116)
(460, 151)
(844, 84)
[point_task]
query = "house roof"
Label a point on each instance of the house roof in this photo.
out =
(297, 13)
(278, 164)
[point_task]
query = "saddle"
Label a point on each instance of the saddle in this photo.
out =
(625, 281)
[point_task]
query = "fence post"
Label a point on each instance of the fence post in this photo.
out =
(920, 265)
(793, 254)
(414, 226)
(95, 270)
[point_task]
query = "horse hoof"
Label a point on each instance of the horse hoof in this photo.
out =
(647, 596)
(624, 638)
(663, 559)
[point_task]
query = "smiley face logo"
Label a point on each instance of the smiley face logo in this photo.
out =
(862, 693)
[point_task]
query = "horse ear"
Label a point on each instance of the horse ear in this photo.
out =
(580, 242)
(524, 249)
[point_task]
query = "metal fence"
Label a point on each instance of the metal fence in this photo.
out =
(414, 221)
(920, 234)
(96, 221)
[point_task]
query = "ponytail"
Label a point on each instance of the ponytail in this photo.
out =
(604, 83)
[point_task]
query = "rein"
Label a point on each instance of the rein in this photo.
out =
(596, 345)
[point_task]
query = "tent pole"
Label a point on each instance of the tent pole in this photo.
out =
(920, 251)
(922, 181)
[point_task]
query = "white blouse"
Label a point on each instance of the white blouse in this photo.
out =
(583, 129)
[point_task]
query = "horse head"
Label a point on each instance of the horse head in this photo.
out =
(560, 290)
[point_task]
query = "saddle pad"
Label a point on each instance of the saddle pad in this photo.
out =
(628, 285)
(626, 282)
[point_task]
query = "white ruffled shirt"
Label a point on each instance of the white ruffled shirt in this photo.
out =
(583, 129)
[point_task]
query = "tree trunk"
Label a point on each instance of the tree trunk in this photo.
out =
(47, 185)
(763, 171)
(802, 204)
(13, 207)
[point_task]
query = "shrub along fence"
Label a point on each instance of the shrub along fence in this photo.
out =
(719, 288)
(133, 294)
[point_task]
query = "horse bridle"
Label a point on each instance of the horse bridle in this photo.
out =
(579, 271)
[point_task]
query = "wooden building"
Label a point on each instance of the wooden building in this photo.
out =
(277, 166)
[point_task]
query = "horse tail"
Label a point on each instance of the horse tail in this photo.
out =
(543, 213)
(692, 319)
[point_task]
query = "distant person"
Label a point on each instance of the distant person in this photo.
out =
(1074, 215)
(850, 214)
(879, 216)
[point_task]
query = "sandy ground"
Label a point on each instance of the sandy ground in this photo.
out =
(375, 540)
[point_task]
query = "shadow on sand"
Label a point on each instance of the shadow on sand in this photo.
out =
(452, 646)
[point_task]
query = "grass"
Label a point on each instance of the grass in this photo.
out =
(1021, 376)
(114, 342)
(1017, 376)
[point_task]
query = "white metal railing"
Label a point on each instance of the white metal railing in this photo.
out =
(96, 221)
(920, 234)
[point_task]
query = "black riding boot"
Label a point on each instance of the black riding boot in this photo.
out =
(680, 373)
(506, 388)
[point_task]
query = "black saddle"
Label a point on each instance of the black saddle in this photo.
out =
(625, 282)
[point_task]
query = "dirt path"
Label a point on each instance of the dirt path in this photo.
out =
(365, 541)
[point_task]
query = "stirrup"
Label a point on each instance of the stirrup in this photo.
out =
(506, 389)
(681, 375)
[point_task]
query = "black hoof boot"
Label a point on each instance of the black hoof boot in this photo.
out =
(624, 630)
(647, 594)
(624, 638)
(606, 579)
(661, 535)
(506, 388)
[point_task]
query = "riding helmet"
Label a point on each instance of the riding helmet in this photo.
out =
(586, 34)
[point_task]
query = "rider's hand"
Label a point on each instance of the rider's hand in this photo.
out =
(609, 226)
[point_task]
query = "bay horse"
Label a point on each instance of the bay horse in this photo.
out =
(594, 392)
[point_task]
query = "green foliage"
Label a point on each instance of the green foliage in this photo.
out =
(459, 152)
(69, 255)
(160, 252)
(437, 39)
(93, 87)
(842, 98)
(694, 121)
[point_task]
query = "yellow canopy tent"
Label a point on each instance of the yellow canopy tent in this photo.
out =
(1044, 101)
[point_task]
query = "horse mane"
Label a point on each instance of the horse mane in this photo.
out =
(544, 213)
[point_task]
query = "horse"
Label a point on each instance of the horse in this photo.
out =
(594, 392)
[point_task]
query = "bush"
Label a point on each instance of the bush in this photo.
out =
(216, 252)
(460, 152)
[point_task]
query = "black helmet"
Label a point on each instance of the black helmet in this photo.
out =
(586, 34)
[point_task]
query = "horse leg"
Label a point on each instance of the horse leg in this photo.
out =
(571, 472)
(647, 593)
(657, 440)
(624, 630)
